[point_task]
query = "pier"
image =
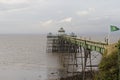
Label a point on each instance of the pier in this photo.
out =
(75, 54)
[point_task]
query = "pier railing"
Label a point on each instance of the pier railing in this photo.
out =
(75, 54)
(92, 45)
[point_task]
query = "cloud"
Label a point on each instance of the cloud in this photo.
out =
(7, 5)
(69, 19)
(47, 23)
(5, 9)
(85, 12)
(91, 9)
(53, 22)
(59, 12)
(20, 5)
(20, 1)
(15, 10)
(13, 1)
(82, 13)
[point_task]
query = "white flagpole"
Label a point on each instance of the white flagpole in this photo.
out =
(108, 37)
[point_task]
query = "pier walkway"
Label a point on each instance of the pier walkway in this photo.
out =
(75, 54)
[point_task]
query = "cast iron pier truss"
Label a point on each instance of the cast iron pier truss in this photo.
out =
(75, 54)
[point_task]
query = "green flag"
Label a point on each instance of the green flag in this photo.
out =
(114, 28)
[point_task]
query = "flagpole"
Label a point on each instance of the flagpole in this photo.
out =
(107, 40)
(108, 37)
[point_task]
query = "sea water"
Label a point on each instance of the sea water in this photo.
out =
(24, 57)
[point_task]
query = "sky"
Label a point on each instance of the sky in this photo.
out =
(44, 16)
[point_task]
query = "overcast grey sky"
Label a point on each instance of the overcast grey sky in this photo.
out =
(43, 16)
